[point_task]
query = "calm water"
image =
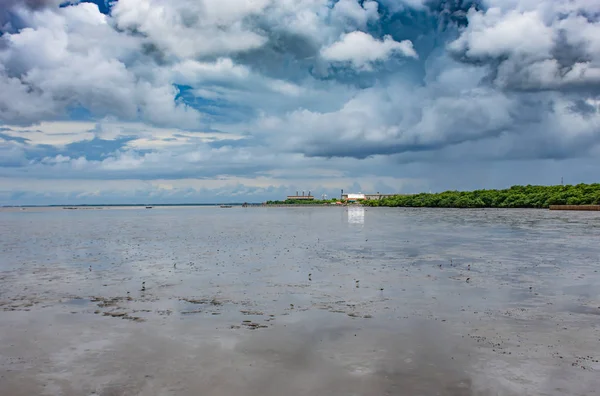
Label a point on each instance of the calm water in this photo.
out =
(311, 300)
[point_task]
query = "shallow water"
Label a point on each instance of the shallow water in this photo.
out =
(302, 301)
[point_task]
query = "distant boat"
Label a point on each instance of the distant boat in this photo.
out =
(148, 207)
(227, 206)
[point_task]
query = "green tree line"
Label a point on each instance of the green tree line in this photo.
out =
(515, 197)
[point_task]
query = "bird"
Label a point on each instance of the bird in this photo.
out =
(90, 267)
(469, 267)
(468, 279)
(143, 286)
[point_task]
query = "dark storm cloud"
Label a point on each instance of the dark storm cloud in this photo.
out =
(584, 108)
(296, 52)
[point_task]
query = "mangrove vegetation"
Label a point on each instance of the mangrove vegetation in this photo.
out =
(515, 197)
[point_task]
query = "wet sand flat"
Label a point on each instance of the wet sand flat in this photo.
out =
(299, 301)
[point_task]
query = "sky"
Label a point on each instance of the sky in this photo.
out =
(181, 101)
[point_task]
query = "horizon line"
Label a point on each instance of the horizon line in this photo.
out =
(124, 204)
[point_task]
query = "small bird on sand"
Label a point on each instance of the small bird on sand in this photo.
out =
(90, 267)
(468, 279)
(143, 286)
(469, 267)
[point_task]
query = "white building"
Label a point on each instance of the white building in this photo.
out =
(355, 197)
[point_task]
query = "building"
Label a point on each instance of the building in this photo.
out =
(355, 197)
(379, 196)
(359, 196)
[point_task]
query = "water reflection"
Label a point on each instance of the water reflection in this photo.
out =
(230, 293)
(356, 215)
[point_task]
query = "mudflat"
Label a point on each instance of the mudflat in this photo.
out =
(299, 301)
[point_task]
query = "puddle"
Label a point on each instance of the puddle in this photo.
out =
(81, 302)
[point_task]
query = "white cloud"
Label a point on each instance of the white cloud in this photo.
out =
(192, 72)
(494, 34)
(72, 57)
(362, 50)
(220, 189)
(139, 136)
(57, 133)
(190, 28)
(355, 13)
(535, 45)
(20, 104)
(381, 121)
(286, 88)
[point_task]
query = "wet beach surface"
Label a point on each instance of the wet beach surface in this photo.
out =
(299, 301)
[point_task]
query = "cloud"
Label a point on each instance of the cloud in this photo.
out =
(362, 50)
(65, 135)
(379, 121)
(561, 51)
(7, 8)
(191, 72)
(492, 34)
(71, 57)
(187, 28)
(188, 190)
(355, 13)
(285, 94)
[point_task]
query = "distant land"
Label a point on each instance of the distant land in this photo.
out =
(126, 205)
(529, 196)
(514, 197)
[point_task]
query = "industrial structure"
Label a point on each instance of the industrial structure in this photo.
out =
(360, 196)
(344, 197)
(353, 197)
(301, 197)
